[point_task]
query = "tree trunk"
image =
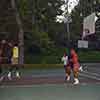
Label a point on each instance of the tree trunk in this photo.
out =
(20, 34)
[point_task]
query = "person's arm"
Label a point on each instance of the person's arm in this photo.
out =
(67, 59)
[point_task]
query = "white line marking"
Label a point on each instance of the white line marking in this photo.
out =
(88, 76)
(39, 85)
(92, 73)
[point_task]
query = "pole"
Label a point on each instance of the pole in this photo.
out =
(68, 32)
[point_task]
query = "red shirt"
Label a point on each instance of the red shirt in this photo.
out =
(75, 59)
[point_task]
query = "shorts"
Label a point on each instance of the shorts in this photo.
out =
(70, 64)
(9, 60)
(65, 66)
(14, 60)
(76, 65)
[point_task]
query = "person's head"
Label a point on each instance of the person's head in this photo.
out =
(10, 44)
(65, 54)
(73, 51)
(3, 41)
(15, 43)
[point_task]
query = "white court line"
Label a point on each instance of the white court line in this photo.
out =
(46, 84)
(30, 86)
(26, 86)
(88, 76)
(38, 85)
(92, 73)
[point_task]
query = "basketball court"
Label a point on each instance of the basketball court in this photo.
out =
(49, 84)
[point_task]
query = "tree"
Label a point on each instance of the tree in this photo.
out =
(43, 20)
(20, 34)
(8, 25)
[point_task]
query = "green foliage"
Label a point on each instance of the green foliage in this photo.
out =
(89, 56)
(24, 7)
(44, 29)
(54, 56)
(41, 29)
(50, 56)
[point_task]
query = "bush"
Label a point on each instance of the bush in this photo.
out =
(54, 56)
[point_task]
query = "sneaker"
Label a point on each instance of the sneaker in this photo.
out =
(76, 81)
(17, 75)
(9, 76)
(68, 78)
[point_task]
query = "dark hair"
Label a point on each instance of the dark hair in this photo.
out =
(15, 44)
(65, 53)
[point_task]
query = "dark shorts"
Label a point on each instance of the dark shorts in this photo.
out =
(9, 60)
(65, 66)
(70, 64)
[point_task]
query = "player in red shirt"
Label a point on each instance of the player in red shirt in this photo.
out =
(75, 64)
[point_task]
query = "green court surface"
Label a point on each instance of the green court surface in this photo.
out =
(51, 92)
(48, 87)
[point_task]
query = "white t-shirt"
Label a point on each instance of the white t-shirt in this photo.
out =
(65, 60)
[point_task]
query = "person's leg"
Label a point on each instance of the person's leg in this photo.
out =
(1, 69)
(10, 69)
(76, 73)
(17, 68)
(68, 72)
(10, 72)
(1, 76)
(65, 71)
(17, 71)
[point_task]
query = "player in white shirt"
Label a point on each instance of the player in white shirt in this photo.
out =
(65, 60)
